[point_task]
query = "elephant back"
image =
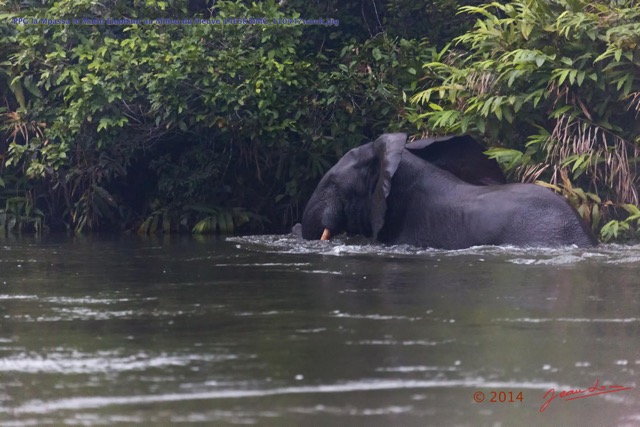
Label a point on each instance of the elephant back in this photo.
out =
(461, 155)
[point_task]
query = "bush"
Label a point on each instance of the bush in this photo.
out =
(554, 82)
(188, 127)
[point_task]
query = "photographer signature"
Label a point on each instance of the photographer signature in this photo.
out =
(594, 390)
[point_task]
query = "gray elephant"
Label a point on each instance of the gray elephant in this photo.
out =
(437, 192)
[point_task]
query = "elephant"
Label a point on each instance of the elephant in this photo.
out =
(440, 192)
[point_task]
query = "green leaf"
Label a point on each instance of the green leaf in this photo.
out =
(632, 209)
(617, 55)
(560, 111)
(31, 87)
(104, 123)
(525, 28)
(16, 88)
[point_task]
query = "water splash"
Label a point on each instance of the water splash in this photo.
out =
(346, 246)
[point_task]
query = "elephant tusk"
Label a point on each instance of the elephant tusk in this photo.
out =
(326, 234)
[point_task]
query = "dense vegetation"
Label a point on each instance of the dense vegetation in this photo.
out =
(228, 127)
(555, 83)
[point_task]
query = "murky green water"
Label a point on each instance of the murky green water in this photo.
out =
(272, 331)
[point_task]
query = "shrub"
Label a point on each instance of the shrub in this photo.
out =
(553, 81)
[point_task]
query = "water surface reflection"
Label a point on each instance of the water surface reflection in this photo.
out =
(273, 331)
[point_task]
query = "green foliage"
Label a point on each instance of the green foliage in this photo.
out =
(224, 221)
(19, 214)
(626, 229)
(228, 128)
(586, 203)
(121, 125)
(553, 80)
(208, 220)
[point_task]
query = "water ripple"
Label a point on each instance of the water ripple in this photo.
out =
(80, 403)
(373, 316)
(103, 362)
(568, 320)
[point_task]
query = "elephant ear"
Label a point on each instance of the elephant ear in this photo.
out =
(461, 155)
(388, 153)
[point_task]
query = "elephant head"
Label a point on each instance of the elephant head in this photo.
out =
(352, 196)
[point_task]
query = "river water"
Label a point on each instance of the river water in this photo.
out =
(273, 331)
